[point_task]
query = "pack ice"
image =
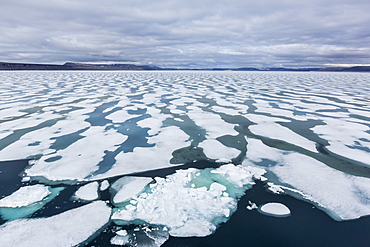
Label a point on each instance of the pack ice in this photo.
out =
(309, 131)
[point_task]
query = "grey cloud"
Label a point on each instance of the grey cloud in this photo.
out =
(186, 33)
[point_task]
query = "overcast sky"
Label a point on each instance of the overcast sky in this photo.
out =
(188, 34)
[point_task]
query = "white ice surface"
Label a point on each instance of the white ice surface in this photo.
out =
(25, 196)
(214, 149)
(189, 210)
(143, 159)
(212, 123)
(129, 187)
(251, 205)
(266, 127)
(88, 192)
(69, 228)
(342, 135)
(104, 185)
(119, 240)
(344, 196)
(275, 209)
(80, 159)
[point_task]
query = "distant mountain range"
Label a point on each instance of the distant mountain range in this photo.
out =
(73, 66)
(87, 66)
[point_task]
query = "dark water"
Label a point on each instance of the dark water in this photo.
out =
(10, 180)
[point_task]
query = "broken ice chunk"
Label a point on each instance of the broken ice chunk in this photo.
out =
(141, 236)
(26, 179)
(251, 205)
(275, 188)
(104, 185)
(88, 192)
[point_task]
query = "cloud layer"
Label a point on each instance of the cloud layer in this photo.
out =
(188, 33)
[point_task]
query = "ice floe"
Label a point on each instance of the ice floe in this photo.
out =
(88, 192)
(342, 195)
(26, 196)
(274, 209)
(190, 202)
(80, 159)
(104, 185)
(251, 205)
(27, 200)
(69, 228)
(213, 149)
(143, 159)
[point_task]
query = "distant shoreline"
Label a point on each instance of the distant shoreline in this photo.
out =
(108, 67)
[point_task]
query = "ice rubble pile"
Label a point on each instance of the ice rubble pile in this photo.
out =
(190, 202)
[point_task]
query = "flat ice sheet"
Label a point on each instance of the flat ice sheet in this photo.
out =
(26, 196)
(275, 209)
(66, 229)
(128, 187)
(88, 192)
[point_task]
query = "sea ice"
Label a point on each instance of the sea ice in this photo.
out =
(26, 196)
(69, 228)
(266, 127)
(88, 192)
(251, 205)
(275, 209)
(104, 185)
(141, 236)
(72, 119)
(190, 202)
(342, 195)
(80, 159)
(345, 138)
(214, 149)
(27, 200)
(128, 187)
(144, 159)
(212, 123)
